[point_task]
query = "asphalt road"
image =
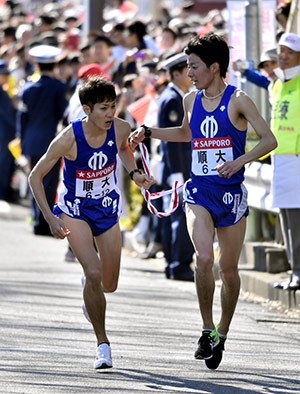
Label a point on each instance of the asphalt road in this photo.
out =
(47, 346)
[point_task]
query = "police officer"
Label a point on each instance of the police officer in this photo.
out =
(42, 105)
(176, 158)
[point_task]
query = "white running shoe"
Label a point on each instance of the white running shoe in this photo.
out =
(103, 357)
(85, 312)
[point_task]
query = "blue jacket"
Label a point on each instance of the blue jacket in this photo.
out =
(257, 78)
(42, 105)
(7, 118)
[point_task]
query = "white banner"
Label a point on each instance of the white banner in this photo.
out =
(237, 30)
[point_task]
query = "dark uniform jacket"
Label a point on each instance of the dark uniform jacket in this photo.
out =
(42, 106)
(176, 156)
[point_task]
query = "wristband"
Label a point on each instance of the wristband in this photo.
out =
(134, 171)
(147, 132)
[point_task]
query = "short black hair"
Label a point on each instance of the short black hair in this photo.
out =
(283, 9)
(105, 39)
(139, 28)
(9, 31)
(119, 27)
(44, 67)
(211, 48)
(47, 19)
(96, 90)
(178, 67)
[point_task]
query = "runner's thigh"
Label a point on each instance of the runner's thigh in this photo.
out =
(231, 240)
(109, 246)
(82, 242)
(200, 227)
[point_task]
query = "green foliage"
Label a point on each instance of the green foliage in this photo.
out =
(134, 201)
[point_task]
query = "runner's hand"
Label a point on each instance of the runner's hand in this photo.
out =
(136, 137)
(227, 169)
(143, 180)
(58, 228)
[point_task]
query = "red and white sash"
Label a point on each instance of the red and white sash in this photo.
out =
(153, 196)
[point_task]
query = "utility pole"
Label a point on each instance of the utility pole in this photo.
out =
(253, 16)
(253, 41)
(93, 19)
(253, 11)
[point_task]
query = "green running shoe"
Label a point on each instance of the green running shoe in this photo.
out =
(206, 343)
(217, 353)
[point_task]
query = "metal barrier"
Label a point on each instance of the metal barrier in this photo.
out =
(258, 183)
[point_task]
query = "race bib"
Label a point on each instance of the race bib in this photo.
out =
(208, 153)
(95, 183)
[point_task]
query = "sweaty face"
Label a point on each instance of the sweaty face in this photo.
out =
(288, 58)
(103, 114)
(199, 73)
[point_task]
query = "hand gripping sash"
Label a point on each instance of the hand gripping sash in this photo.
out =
(153, 196)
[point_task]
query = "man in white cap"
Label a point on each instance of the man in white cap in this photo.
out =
(285, 158)
(42, 105)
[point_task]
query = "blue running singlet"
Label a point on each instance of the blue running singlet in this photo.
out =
(214, 141)
(90, 189)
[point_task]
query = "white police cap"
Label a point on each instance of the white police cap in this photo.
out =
(45, 53)
(174, 60)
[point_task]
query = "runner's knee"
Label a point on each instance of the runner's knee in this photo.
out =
(93, 278)
(204, 261)
(229, 276)
(110, 286)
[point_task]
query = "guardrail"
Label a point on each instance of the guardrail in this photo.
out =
(258, 183)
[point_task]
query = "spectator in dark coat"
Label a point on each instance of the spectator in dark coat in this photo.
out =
(42, 106)
(7, 133)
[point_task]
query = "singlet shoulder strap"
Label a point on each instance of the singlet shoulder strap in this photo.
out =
(78, 131)
(227, 94)
(197, 101)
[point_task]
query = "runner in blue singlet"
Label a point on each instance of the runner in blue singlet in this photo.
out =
(88, 208)
(89, 193)
(215, 140)
(215, 121)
